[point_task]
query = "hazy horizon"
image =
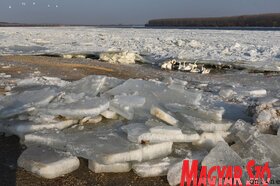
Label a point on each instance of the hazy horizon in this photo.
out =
(125, 11)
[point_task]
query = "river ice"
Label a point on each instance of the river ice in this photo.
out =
(219, 45)
(150, 126)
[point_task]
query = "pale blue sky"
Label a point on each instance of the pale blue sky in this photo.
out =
(125, 11)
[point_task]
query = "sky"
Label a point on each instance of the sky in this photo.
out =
(125, 11)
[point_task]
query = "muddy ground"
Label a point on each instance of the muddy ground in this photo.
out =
(74, 69)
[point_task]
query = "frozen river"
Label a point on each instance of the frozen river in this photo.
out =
(219, 45)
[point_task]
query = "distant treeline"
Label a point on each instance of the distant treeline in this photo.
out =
(5, 24)
(262, 20)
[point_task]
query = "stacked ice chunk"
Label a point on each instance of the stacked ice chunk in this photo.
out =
(117, 125)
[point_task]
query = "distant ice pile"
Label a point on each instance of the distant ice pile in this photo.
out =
(118, 125)
(214, 45)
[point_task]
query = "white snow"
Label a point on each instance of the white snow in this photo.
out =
(220, 45)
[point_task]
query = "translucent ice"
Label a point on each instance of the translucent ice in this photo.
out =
(208, 126)
(155, 92)
(222, 155)
(161, 137)
(20, 128)
(166, 130)
(134, 131)
(145, 153)
(129, 100)
(104, 144)
(123, 110)
(82, 108)
(20, 103)
(140, 133)
(226, 93)
(210, 140)
(102, 168)
(47, 163)
(124, 105)
(92, 85)
(157, 167)
(263, 148)
(175, 171)
(36, 81)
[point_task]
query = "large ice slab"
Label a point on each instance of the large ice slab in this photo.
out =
(222, 155)
(210, 140)
(262, 148)
(157, 167)
(124, 105)
(141, 133)
(266, 114)
(134, 131)
(200, 124)
(155, 92)
(175, 171)
(40, 81)
(242, 130)
(20, 128)
(208, 113)
(166, 130)
(81, 108)
(104, 144)
(145, 153)
(161, 137)
(92, 85)
(47, 163)
(102, 168)
(26, 101)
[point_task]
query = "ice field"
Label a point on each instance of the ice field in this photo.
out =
(219, 45)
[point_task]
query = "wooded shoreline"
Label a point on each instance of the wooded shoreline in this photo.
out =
(262, 20)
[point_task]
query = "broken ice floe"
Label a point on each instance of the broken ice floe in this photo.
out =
(20, 128)
(157, 167)
(175, 171)
(222, 155)
(146, 123)
(120, 57)
(102, 168)
(26, 101)
(47, 163)
(266, 114)
(142, 133)
(85, 107)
